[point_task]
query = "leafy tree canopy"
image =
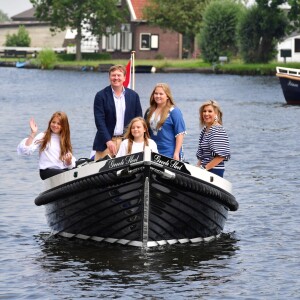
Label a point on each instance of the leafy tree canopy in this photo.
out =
(96, 15)
(182, 16)
(3, 16)
(218, 34)
(259, 30)
(293, 13)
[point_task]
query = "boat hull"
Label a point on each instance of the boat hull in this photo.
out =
(290, 84)
(143, 204)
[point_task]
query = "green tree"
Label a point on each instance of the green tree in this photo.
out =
(21, 39)
(182, 16)
(3, 16)
(218, 34)
(259, 30)
(293, 15)
(94, 15)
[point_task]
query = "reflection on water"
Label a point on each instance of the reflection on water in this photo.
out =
(98, 266)
(96, 256)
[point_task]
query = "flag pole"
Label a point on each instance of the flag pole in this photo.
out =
(133, 69)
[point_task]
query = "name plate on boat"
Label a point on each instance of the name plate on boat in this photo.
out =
(169, 162)
(123, 161)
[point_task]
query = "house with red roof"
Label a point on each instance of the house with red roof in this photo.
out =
(149, 41)
(136, 34)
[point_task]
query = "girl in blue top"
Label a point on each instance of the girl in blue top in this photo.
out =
(213, 148)
(165, 122)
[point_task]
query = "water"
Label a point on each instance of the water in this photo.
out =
(257, 257)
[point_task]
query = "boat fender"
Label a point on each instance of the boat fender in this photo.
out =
(97, 181)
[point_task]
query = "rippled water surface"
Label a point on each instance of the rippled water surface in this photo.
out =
(257, 257)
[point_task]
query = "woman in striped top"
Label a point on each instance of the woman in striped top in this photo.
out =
(213, 147)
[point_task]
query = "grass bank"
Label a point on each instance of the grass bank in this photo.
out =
(232, 67)
(184, 65)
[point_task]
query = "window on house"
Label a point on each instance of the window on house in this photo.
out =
(148, 41)
(119, 41)
(126, 38)
(112, 41)
(297, 45)
(145, 40)
(154, 41)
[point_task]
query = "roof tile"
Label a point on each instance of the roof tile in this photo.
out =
(138, 6)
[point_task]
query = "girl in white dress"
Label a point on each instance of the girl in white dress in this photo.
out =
(136, 138)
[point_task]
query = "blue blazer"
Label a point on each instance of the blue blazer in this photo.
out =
(105, 114)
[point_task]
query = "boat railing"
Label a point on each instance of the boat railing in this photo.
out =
(288, 71)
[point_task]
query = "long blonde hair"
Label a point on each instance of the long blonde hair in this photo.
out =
(65, 135)
(128, 135)
(165, 111)
(216, 108)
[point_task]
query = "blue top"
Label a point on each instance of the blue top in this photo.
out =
(213, 143)
(165, 137)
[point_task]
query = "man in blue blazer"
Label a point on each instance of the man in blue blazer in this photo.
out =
(114, 107)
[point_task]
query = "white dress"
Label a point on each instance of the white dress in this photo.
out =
(49, 158)
(136, 147)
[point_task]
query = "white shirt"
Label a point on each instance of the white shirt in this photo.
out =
(136, 147)
(120, 112)
(48, 158)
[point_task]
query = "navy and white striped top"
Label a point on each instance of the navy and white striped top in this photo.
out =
(213, 143)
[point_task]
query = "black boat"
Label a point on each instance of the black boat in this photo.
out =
(143, 199)
(290, 83)
(144, 69)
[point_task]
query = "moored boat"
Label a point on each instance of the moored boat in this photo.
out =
(143, 199)
(290, 83)
(21, 64)
(144, 69)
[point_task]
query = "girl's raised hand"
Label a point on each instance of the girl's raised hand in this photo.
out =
(33, 126)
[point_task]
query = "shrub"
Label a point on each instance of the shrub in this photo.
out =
(46, 59)
(21, 39)
(218, 34)
(159, 56)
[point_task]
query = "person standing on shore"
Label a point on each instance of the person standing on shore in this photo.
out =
(114, 107)
(213, 147)
(165, 122)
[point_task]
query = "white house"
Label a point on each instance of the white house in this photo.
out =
(290, 47)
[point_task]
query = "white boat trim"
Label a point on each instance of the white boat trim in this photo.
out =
(137, 243)
(288, 71)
